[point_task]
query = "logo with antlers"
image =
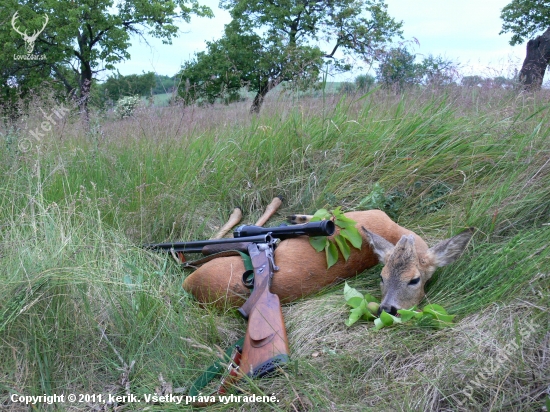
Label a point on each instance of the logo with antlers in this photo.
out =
(28, 39)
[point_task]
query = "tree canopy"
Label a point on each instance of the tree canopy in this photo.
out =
(83, 37)
(269, 42)
(525, 18)
(398, 69)
(118, 86)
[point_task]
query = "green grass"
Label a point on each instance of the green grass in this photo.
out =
(84, 310)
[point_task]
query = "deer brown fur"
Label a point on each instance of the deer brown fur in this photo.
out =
(303, 271)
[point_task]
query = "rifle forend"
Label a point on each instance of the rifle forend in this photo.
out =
(265, 344)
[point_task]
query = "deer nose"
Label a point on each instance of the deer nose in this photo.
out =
(392, 310)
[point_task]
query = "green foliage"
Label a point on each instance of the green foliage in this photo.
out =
(499, 82)
(525, 18)
(83, 38)
(118, 86)
(390, 203)
(436, 71)
(472, 81)
(398, 70)
(348, 233)
(242, 58)
(347, 88)
(165, 84)
(266, 44)
(365, 307)
(364, 82)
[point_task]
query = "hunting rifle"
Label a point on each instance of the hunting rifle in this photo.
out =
(265, 345)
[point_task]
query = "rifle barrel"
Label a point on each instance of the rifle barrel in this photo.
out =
(197, 246)
(255, 234)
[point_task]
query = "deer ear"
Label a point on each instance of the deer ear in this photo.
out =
(449, 250)
(380, 246)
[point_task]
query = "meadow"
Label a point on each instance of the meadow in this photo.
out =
(85, 310)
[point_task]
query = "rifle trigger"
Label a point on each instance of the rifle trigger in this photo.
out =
(248, 279)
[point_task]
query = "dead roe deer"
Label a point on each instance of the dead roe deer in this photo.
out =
(408, 264)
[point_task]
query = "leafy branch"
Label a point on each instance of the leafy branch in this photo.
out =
(365, 307)
(347, 235)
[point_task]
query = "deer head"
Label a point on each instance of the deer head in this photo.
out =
(406, 271)
(28, 39)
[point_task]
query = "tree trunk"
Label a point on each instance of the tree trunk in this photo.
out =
(260, 95)
(259, 98)
(536, 61)
(85, 86)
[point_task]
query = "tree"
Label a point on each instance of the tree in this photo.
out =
(364, 82)
(272, 41)
(397, 69)
(119, 86)
(472, 81)
(85, 37)
(241, 58)
(525, 18)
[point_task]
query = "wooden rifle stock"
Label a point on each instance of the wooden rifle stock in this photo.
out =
(266, 344)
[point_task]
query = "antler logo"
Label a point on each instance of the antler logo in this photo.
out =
(28, 39)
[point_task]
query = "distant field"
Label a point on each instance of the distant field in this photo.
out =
(162, 100)
(83, 309)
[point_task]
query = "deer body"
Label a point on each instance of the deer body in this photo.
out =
(303, 271)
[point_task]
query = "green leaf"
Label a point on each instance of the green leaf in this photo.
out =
(353, 317)
(338, 211)
(321, 214)
(353, 235)
(378, 324)
(375, 199)
(355, 302)
(436, 309)
(407, 314)
(319, 243)
(344, 222)
(368, 316)
(386, 318)
(332, 254)
(350, 292)
(357, 313)
(370, 298)
(343, 246)
(438, 313)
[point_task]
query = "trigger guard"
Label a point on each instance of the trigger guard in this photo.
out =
(248, 279)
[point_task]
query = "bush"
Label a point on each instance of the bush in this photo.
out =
(347, 88)
(364, 82)
(126, 106)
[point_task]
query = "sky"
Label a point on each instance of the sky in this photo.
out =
(463, 31)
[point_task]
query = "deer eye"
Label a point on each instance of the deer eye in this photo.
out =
(414, 281)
